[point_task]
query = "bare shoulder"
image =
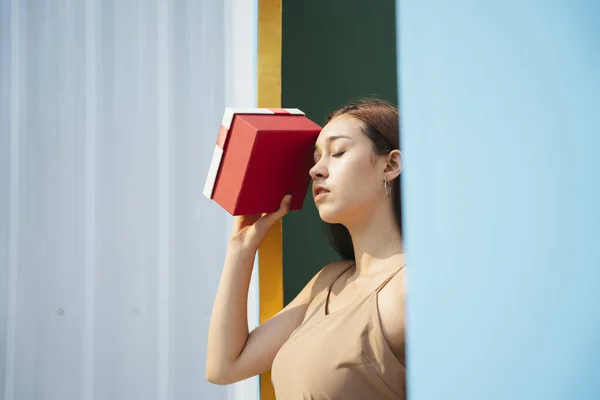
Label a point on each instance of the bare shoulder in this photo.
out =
(395, 289)
(325, 276)
(391, 304)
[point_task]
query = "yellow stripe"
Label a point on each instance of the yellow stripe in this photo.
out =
(269, 53)
(270, 254)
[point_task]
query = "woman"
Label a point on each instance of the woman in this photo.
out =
(342, 337)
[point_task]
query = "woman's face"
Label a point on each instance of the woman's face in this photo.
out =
(347, 176)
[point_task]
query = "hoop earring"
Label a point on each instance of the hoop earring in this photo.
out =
(388, 188)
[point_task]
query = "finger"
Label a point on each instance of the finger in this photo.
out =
(246, 220)
(284, 208)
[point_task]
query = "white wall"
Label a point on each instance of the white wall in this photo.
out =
(109, 253)
(241, 61)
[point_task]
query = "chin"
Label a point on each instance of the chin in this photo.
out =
(329, 214)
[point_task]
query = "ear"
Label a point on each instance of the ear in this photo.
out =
(394, 165)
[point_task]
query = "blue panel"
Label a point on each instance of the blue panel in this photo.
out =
(500, 110)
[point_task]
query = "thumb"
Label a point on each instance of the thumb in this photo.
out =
(284, 208)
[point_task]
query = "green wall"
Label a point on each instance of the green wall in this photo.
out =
(334, 51)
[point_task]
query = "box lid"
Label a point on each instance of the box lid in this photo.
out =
(228, 117)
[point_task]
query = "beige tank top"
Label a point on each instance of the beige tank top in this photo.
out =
(339, 355)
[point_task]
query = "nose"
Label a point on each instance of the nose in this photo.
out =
(319, 170)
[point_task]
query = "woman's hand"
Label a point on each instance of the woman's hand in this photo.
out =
(249, 231)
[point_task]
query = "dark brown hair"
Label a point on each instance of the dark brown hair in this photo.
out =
(381, 125)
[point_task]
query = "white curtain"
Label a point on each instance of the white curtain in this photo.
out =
(109, 253)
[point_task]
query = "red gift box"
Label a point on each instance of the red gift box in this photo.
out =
(261, 154)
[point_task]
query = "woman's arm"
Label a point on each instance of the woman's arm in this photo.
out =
(234, 353)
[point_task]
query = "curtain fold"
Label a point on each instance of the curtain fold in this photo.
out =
(109, 253)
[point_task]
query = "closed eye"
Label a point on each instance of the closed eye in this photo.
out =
(341, 153)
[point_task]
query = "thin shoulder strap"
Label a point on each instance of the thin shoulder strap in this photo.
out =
(389, 278)
(331, 285)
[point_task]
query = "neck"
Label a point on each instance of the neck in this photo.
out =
(377, 241)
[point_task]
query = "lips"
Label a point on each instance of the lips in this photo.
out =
(319, 190)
